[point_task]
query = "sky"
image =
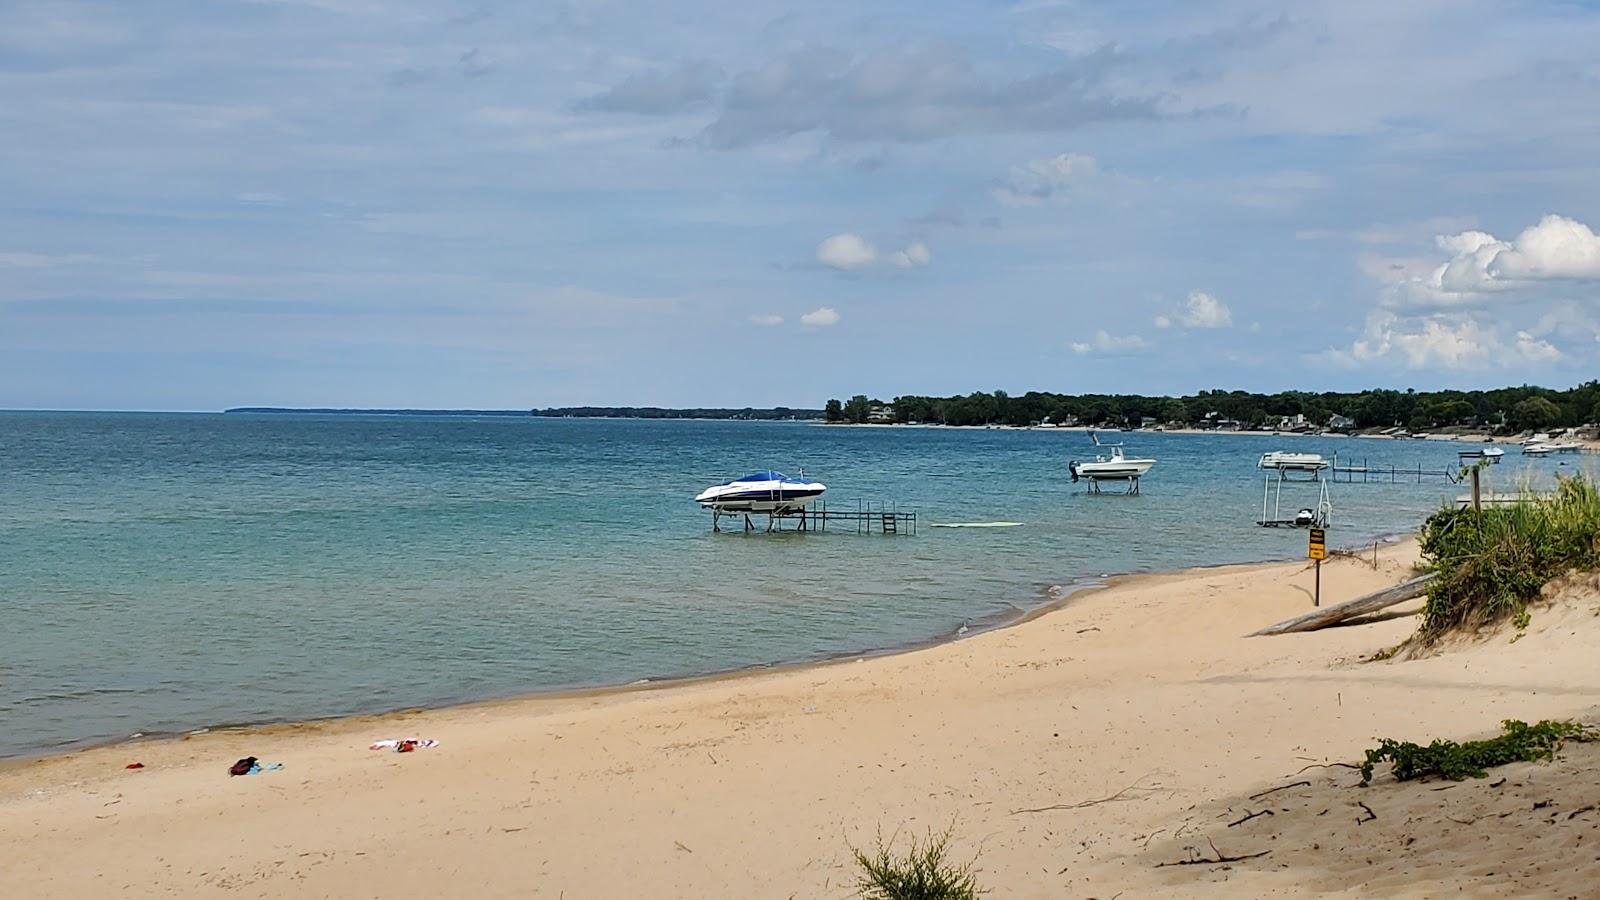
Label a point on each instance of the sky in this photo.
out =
(430, 203)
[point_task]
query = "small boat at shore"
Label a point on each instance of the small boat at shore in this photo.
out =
(1286, 461)
(762, 492)
(1548, 447)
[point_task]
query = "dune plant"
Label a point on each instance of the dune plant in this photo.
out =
(925, 872)
(1491, 563)
(1521, 742)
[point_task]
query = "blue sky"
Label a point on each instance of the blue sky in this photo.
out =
(494, 204)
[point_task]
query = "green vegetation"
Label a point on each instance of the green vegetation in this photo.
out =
(1520, 743)
(1511, 408)
(1490, 564)
(923, 873)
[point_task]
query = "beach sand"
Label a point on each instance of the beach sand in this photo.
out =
(756, 785)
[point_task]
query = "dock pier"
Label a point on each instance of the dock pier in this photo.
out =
(1366, 473)
(867, 517)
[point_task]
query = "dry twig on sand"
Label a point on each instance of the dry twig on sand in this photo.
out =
(1277, 789)
(1220, 857)
(1264, 812)
(1118, 796)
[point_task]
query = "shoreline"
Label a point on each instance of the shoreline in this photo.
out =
(756, 783)
(648, 685)
(1057, 596)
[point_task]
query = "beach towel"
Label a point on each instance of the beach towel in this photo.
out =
(251, 766)
(403, 745)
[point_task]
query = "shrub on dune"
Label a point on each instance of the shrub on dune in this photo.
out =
(1489, 564)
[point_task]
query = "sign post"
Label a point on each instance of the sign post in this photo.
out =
(1317, 551)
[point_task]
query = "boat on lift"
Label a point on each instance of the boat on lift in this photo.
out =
(1548, 447)
(1112, 466)
(761, 492)
(1286, 461)
(1488, 454)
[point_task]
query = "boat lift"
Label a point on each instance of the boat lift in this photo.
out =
(1272, 500)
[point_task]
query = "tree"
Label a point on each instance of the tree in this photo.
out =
(833, 412)
(857, 408)
(1534, 413)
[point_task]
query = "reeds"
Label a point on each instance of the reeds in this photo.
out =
(1491, 563)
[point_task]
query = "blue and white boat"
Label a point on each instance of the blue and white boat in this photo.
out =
(761, 492)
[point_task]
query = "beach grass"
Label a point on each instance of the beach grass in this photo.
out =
(1491, 563)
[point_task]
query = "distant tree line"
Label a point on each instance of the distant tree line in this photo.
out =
(656, 412)
(1507, 409)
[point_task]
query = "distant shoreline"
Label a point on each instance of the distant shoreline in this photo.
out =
(713, 414)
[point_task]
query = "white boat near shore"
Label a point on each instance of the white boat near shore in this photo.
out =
(1490, 454)
(1115, 466)
(762, 492)
(1288, 461)
(1548, 447)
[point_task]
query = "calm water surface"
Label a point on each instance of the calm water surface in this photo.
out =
(166, 572)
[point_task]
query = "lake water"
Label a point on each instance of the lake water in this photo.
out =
(163, 572)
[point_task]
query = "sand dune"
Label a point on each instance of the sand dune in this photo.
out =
(754, 786)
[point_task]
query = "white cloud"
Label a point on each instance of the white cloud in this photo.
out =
(916, 254)
(1201, 310)
(851, 252)
(820, 318)
(1532, 349)
(1110, 343)
(846, 251)
(766, 320)
(1443, 341)
(1556, 250)
(1040, 180)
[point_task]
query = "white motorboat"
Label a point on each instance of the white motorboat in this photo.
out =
(1286, 461)
(1488, 454)
(1113, 466)
(1548, 447)
(1116, 467)
(761, 492)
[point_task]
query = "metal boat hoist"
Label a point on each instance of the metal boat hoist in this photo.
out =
(1308, 517)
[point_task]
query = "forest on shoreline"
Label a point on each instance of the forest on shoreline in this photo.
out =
(1503, 409)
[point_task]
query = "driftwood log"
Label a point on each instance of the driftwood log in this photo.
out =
(1333, 615)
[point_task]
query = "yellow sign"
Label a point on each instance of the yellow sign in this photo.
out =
(1318, 547)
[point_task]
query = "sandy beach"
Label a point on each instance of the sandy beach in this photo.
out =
(1071, 753)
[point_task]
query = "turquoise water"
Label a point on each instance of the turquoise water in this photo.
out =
(161, 572)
